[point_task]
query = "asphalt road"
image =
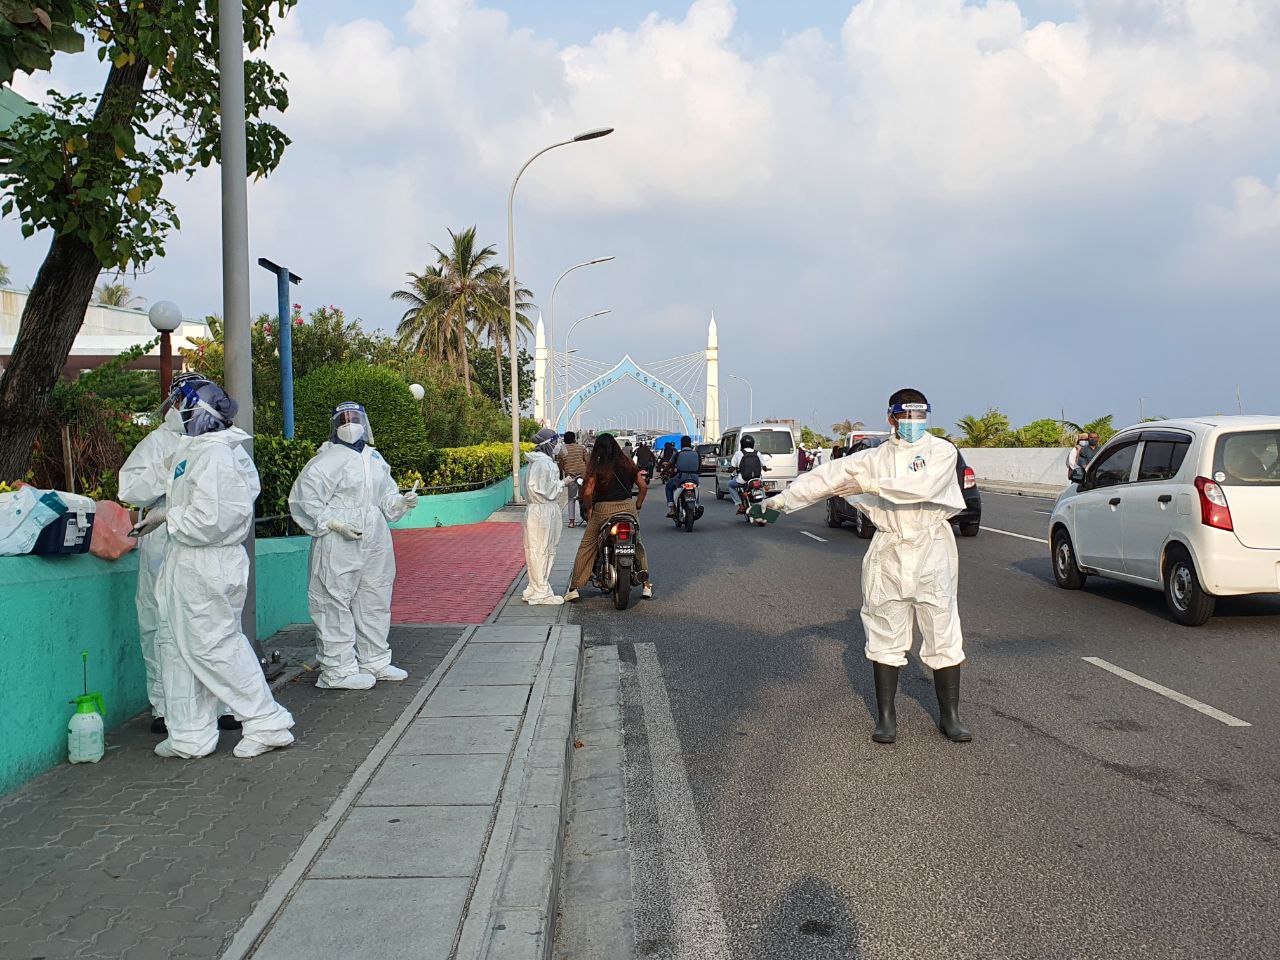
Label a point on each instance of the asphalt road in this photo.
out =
(1090, 817)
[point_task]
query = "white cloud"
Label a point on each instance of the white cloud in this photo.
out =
(1256, 211)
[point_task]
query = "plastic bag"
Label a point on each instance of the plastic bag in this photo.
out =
(111, 527)
(23, 514)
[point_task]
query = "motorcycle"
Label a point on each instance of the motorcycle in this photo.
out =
(687, 507)
(615, 568)
(752, 494)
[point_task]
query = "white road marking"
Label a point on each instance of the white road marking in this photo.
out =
(1174, 695)
(812, 536)
(1020, 536)
(1017, 496)
(696, 915)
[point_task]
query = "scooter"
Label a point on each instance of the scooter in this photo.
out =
(752, 494)
(688, 509)
(615, 569)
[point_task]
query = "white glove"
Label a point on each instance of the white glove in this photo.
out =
(410, 500)
(344, 530)
(579, 480)
(773, 503)
(150, 524)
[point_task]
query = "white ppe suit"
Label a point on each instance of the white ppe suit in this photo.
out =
(350, 581)
(204, 656)
(143, 480)
(910, 492)
(542, 526)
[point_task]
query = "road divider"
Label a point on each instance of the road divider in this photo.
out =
(1173, 695)
(1020, 536)
(812, 536)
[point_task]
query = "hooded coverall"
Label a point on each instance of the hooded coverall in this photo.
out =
(542, 526)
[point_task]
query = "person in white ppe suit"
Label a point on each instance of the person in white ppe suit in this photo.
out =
(542, 488)
(344, 498)
(205, 658)
(908, 488)
(142, 482)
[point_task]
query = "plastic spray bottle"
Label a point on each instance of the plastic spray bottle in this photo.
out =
(84, 733)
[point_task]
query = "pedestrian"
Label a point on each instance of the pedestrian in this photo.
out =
(142, 482)
(204, 656)
(611, 477)
(345, 499)
(1081, 453)
(907, 487)
(685, 467)
(573, 468)
(542, 526)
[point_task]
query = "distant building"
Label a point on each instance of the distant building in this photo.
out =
(106, 333)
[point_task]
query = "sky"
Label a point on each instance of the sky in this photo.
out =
(1044, 206)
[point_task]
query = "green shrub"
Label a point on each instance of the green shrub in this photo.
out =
(279, 462)
(393, 413)
(482, 463)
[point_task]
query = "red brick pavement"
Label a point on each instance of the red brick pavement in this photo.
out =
(454, 574)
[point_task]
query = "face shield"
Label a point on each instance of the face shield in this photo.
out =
(204, 407)
(170, 408)
(547, 441)
(912, 420)
(350, 425)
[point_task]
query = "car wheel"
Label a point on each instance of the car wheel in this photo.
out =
(970, 529)
(833, 519)
(719, 494)
(1184, 596)
(1065, 569)
(863, 527)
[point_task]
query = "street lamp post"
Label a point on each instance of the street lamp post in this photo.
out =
(284, 277)
(511, 299)
(751, 402)
(166, 318)
(551, 381)
(567, 338)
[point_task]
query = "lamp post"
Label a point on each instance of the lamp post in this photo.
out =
(283, 278)
(569, 336)
(511, 301)
(166, 318)
(551, 380)
(419, 392)
(751, 402)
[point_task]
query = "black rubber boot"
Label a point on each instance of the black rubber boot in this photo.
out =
(158, 727)
(946, 683)
(886, 691)
(228, 722)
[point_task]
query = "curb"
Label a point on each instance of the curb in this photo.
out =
(1047, 491)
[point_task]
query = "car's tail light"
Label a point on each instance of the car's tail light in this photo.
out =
(621, 530)
(1214, 511)
(970, 481)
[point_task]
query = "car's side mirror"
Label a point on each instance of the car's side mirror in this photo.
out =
(1077, 475)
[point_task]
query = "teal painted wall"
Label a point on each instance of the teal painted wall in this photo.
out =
(51, 608)
(453, 509)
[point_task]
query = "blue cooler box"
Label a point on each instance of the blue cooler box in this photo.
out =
(70, 533)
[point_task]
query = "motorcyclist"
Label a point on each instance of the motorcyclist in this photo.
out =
(747, 466)
(686, 467)
(666, 463)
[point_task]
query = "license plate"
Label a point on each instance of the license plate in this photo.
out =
(771, 487)
(625, 547)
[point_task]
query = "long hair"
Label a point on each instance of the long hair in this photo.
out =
(607, 463)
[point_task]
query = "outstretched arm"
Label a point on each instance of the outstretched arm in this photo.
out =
(839, 478)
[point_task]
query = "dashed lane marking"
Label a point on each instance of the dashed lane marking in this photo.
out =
(1020, 536)
(699, 927)
(812, 536)
(1173, 695)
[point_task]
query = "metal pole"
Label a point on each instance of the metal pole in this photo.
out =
(751, 397)
(166, 363)
(235, 254)
(551, 340)
(283, 278)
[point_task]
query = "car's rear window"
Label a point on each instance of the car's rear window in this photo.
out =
(1249, 458)
(707, 448)
(774, 441)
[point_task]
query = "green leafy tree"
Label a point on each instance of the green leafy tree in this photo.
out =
(488, 369)
(984, 431)
(90, 169)
(1102, 427)
(811, 438)
(1038, 433)
(940, 432)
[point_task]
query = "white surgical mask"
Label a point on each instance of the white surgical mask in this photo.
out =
(351, 432)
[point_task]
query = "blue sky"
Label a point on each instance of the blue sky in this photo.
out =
(1062, 204)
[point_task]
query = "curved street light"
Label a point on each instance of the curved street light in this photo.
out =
(551, 380)
(567, 338)
(511, 303)
(751, 402)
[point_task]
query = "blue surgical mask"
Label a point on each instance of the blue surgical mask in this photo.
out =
(912, 430)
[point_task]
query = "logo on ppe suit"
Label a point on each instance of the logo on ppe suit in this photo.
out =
(180, 469)
(918, 464)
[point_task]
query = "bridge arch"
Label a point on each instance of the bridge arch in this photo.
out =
(627, 367)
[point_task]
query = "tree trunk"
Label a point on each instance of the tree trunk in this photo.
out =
(50, 321)
(463, 360)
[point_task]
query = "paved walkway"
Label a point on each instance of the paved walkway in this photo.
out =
(454, 574)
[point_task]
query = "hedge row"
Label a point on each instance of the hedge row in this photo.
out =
(465, 466)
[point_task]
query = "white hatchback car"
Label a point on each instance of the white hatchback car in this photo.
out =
(1190, 507)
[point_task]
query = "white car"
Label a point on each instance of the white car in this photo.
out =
(776, 445)
(1190, 507)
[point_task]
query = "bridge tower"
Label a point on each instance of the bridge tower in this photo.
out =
(711, 427)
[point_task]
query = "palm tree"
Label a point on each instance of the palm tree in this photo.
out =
(116, 295)
(983, 431)
(1102, 427)
(423, 328)
(843, 428)
(4, 275)
(491, 317)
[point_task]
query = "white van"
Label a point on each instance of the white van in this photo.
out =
(776, 445)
